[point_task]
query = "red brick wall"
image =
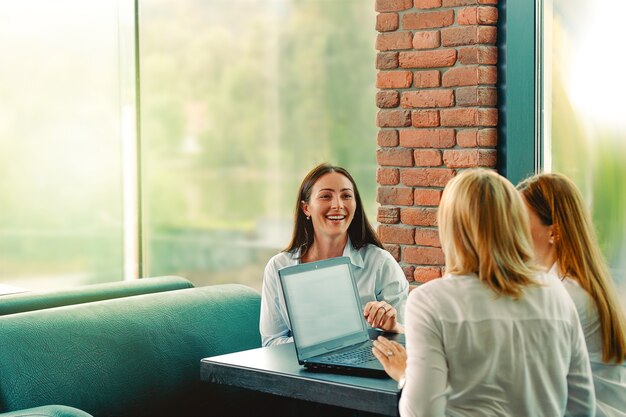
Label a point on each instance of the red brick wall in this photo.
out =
(437, 98)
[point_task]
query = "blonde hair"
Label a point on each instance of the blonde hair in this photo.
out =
(484, 230)
(557, 201)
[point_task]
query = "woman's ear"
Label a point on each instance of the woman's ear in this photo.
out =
(305, 208)
(554, 234)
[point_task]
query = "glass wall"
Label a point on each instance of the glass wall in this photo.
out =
(584, 117)
(239, 99)
(62, 87)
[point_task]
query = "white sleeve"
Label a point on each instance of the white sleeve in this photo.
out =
(273, 327)
(424, 393)
(581, 399)
(393, 287)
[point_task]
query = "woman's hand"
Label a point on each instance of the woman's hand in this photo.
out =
(392, 355)
(383, 316)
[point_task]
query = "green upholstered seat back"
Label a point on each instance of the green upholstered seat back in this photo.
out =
(37, 300)
(48, 411)
(136, 355)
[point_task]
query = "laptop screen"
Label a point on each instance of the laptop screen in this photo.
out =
(325, 306)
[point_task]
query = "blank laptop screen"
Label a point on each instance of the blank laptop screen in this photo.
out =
(323, 305)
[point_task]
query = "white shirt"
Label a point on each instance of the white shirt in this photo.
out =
(378, 277)
(609, 380)
(472, 353)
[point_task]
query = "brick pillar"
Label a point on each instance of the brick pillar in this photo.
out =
(437, 99)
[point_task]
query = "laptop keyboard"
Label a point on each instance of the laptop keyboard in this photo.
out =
(359, 355)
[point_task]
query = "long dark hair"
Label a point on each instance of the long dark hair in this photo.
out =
(360, 230)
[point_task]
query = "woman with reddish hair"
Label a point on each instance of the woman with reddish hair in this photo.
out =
(565, 243)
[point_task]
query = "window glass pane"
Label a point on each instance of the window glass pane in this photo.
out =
(60, 160)
(584, 125)
(240, 98)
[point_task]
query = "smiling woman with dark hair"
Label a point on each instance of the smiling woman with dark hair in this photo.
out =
(329, 221)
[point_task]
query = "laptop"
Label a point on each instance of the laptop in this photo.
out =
(327, 323)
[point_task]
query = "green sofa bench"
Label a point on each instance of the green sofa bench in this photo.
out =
(37, 300)
(132, 356)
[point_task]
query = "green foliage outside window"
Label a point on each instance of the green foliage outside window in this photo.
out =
(239, 100)
(588, 121)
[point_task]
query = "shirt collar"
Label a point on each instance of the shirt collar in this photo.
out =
(349, 250)
(554, 270)
(354, 254)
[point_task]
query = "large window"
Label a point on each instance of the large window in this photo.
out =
(65, 84)
(584, 117)
(240, 98)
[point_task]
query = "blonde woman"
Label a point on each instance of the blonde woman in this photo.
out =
(494, 336)
(565, 244)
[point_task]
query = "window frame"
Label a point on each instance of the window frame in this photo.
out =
(520, 150)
